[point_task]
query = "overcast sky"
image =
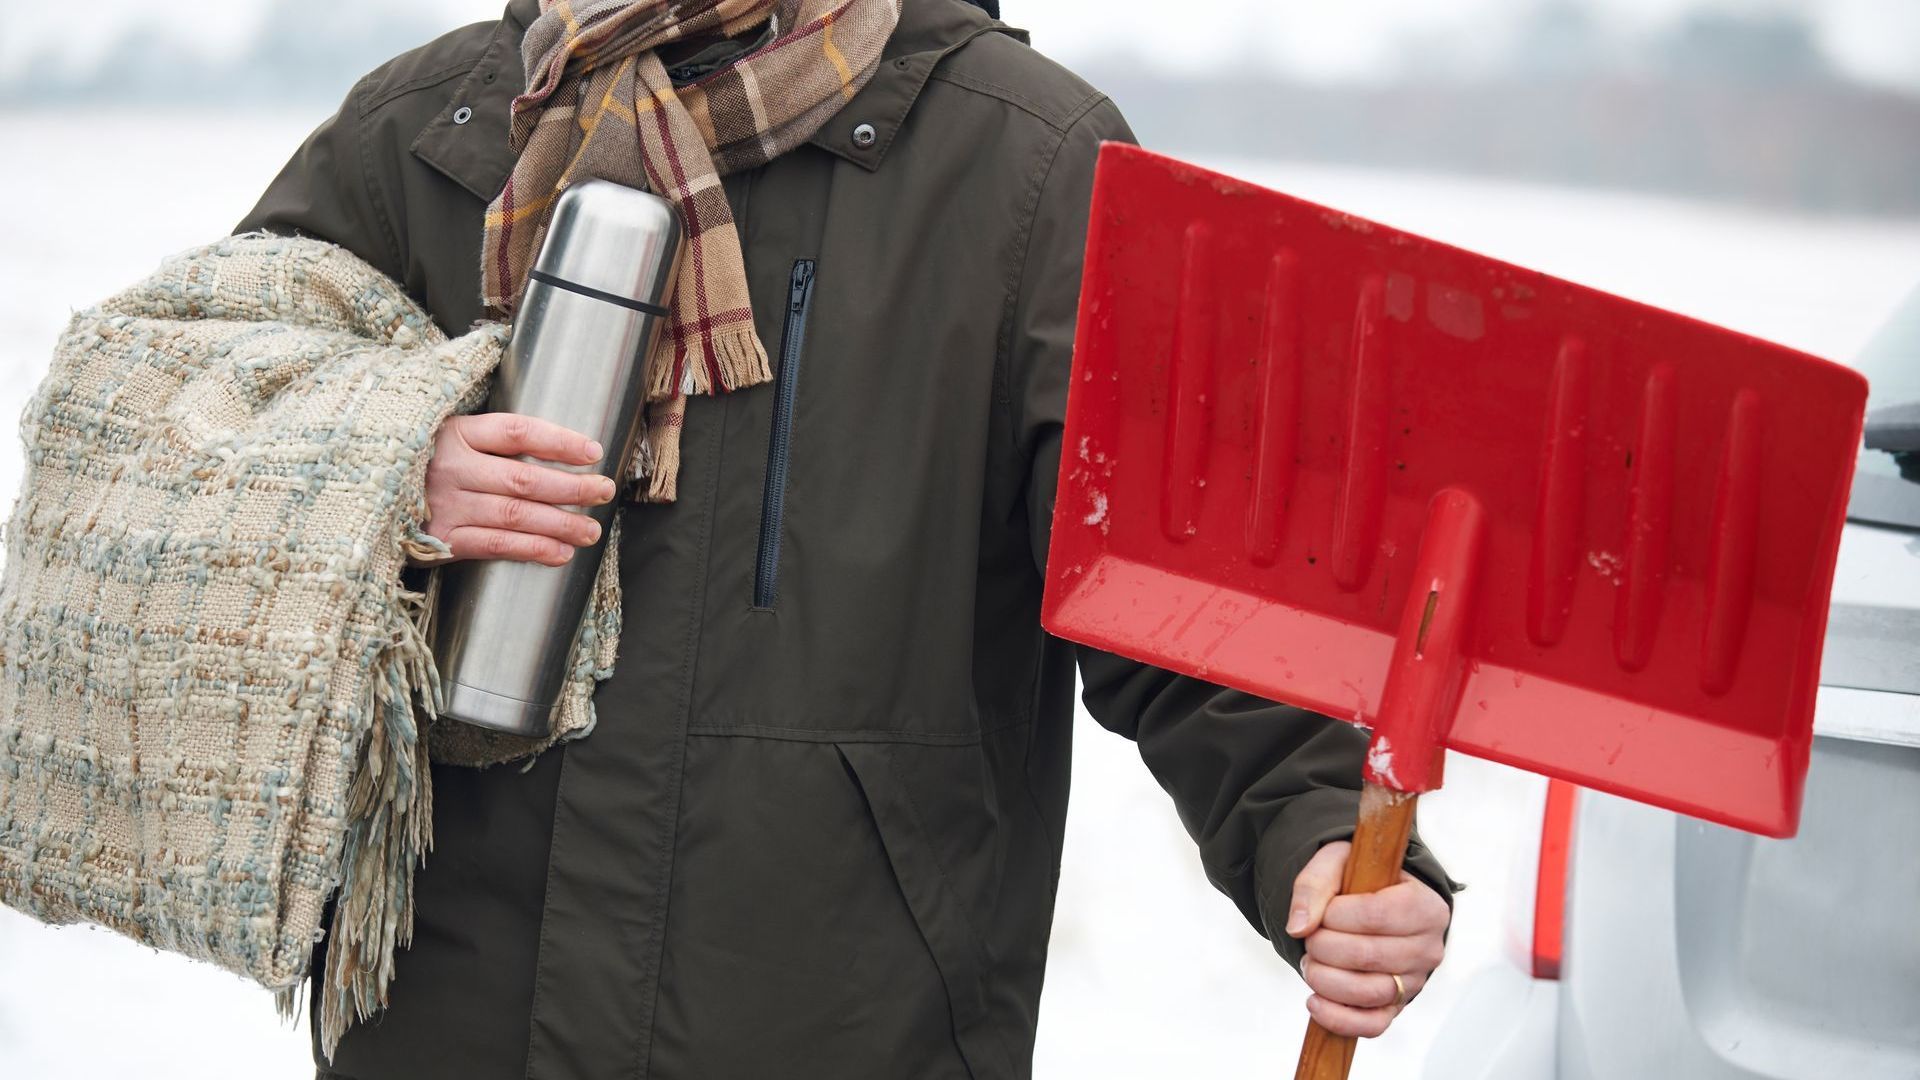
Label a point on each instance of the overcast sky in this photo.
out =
(1331, 39)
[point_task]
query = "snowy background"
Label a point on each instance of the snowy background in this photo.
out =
(1153, 974)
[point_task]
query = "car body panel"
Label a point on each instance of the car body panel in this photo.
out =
(1802, 958)
(1504, 1028)
(1799, 955)
(1873, 627)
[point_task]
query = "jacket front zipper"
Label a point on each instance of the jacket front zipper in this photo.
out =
(780, 445)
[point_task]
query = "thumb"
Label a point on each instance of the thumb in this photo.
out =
(1315, 888)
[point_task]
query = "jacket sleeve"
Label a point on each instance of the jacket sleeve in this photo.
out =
(1260, 786)
(327, 192)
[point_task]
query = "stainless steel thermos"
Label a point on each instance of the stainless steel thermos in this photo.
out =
(594, 303)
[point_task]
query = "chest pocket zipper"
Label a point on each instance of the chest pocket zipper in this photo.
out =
(793, 336)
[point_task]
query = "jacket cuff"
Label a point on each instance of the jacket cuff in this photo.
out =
(1312, 820)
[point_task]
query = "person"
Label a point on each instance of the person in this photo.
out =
(816, 830)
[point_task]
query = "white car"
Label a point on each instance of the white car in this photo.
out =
(1651, 945)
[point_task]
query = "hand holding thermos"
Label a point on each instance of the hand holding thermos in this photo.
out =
(484, 504)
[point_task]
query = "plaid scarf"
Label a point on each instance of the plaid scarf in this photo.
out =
(599, 104)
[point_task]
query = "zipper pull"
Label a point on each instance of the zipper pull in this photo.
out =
(799, 284)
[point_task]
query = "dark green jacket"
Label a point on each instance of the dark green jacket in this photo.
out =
(817, 829)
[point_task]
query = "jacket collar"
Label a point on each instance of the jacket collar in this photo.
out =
(927, 32)
(475, 154)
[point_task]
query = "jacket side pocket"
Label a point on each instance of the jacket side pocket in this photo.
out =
(937, 909)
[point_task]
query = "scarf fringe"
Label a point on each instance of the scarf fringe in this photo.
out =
(742, 360)
(738, 358)
(661, 481)
(639, 464)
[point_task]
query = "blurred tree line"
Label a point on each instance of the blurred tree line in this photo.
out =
(1722, 103)
(305, 51)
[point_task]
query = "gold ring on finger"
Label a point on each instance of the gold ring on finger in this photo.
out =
(1399, 993)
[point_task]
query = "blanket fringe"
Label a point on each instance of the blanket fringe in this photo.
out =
(290, 1001)
(390, 830)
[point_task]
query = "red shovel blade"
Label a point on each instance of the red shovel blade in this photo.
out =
(1266, 396)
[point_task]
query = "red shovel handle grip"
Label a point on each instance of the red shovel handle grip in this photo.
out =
(1379, 848)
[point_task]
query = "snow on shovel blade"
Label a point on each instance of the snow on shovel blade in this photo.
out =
(1266, 396)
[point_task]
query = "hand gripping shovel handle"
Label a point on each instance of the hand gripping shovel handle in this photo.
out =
(1379, 848)
(1422, 690)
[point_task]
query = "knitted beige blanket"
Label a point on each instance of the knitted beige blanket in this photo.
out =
(214, 684)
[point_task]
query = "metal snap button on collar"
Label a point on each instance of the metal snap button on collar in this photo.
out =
(864, 136)
(462, 114)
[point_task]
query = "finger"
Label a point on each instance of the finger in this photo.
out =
(538, 483)
(1407, 878)
(1372, 952)
(477, 542)
(1317, 883)
(509, 434)
(1347, 1020)
(1359, 989)
(525, 516)
(1409, 907)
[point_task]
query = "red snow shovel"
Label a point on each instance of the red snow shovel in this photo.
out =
(1461, 503)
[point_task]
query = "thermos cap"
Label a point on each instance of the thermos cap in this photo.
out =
(610, 238)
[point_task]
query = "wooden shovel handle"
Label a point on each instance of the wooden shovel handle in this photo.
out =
(1379, 850)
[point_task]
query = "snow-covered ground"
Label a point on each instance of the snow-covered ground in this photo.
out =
(1153, 973)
